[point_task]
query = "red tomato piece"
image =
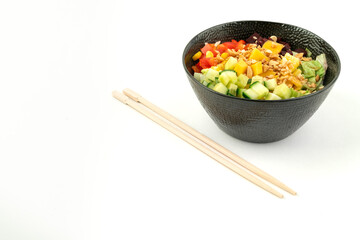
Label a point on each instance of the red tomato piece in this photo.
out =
(204, 63)
(230, 45)
(213, 61)
(240, 46)
(208, 47)
(207, 62)
(222, 48)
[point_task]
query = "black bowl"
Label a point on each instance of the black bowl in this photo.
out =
(260, 120)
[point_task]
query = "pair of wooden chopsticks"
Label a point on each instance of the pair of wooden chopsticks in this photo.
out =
(234, 162)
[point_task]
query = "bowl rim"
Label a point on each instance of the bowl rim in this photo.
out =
(327, 86)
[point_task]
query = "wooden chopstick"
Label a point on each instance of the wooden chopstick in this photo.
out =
(137, 97)
(227, 163)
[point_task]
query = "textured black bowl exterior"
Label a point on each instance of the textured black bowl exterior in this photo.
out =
(259, 120)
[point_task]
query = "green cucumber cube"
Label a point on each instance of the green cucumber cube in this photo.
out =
(259, 79)
(250, 93)
(211, 74)
(221, 88)
(230, 64)
(232, 89)
(260, 89)
(242, 81)
(272, 96)
(282, 91)
(198, 76)
(227, 76)
(270, 84)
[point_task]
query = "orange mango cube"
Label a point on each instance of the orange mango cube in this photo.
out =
(257, 68)
(240, 67)
(273, 46)
(257, 55)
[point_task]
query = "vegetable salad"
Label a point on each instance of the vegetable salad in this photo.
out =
(259, 68)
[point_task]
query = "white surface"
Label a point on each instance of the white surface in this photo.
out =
(77, 164)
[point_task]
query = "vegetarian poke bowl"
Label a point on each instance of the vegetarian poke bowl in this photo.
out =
(260, 81)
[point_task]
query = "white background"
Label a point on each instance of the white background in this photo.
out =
(77, 164)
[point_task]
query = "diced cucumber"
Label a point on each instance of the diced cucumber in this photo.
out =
(224, 80)
(256, 91)
(259, 79)
(211, 85)
(260, 89)
(230, 64)
(221, 88)
(240, 92)
(228, 76)
(242, 80)
(232, 89)
(205, 70)
(206, 82)
(198, 76)
(212, 74)
(272, 96)
(282, 91)
(249, 93)
(270, 84)
(252, 84)
(224, 71)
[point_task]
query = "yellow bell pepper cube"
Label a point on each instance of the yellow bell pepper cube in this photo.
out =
(273, 46)
(257, 68)
(240, 67)
(257, 55)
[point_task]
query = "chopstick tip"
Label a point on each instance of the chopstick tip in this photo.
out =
(279, 195)
(131, 94)
(292, 192)
(119, 96)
